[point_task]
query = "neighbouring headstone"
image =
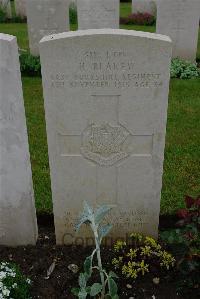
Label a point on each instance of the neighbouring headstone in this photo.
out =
(106, 98)
(97, 14)
(6, 6)
(179, 19)
(144, 6)
(46, 17)
(20, 8)
(17, 212)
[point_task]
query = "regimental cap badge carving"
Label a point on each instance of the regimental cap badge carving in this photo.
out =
(104, 144)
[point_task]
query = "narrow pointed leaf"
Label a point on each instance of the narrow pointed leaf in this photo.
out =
(101, 212)
(104, 231)
(82, 281)
(85, 217)
(88, 265)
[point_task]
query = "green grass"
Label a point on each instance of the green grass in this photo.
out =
(181, 168)
(182, 165)
(33, 98)
(125, 9)
(19, 30)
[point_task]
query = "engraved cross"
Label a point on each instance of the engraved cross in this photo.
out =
(106, 143)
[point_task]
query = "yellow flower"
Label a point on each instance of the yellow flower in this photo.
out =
(167, 260)
(137, 237)
(116, 262)
(132, 253)
(146, 251)
(119, 245)
(143, 267)
(130, 270)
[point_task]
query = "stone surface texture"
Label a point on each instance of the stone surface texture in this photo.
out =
(144, 6)
(17, 211)
(179, 19)
(106, 98)
(96, 14)
(20, 8)
(46, 17)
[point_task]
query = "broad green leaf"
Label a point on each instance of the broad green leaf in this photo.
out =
(115, 297)
(101, 212)
(88, 289)
(95, 289)
(113, 274)
(82, 281)
(103, 231)
(112, 287)
(82, 294)
(75, 291)
(88, 209)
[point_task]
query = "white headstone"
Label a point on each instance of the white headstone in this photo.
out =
(106, 98)
(17, 212)
(20, 8)
(46, 17)
(6, 6)
(144, 6)
(179, 19)
(97, 14)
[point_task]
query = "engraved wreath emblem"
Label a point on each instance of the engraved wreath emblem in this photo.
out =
(104, 144)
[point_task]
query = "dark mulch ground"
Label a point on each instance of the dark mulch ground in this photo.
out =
(35, 260)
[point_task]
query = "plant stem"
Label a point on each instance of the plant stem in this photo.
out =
(99, 261)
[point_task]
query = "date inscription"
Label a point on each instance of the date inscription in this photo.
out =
(107, 69)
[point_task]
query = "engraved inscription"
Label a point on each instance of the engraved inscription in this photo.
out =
(105, 69)
(104, 144)
(130, 218)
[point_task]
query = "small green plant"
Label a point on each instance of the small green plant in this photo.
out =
(13, 284)
(184, 69)
(144, 19)
(108, 287)
(2, 15)
(17, 19)
(30, 65)
(184, 242)
(145, 255)
(73, 14)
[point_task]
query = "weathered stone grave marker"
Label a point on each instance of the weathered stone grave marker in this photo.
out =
(46, 17)
(144, 6)
(20, 8)
(6, 6)
(179, 19)
(106, 97)
(17, 211)
(97, 14)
